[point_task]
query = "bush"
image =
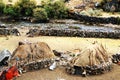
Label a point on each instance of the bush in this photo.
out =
(91, 12)
(84, 13)
(2, 5)
(26, 7)
(98, 12)
(9, 10)
(55, 9)
(40, 14)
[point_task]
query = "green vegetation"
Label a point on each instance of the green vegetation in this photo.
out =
(40, 14)
(55, 9)
(11, 11)
(28, 8)
(2, 5)
(74, 27)
(91, 12)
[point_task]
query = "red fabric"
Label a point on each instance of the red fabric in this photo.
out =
(11, 73)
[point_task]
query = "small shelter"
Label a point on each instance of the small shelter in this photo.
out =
(33, 56)
(92, 60)
(32, 51)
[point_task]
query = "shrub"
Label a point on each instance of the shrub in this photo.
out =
(55, 9)
(84, 13)
(91, 12)
(40, 14)
(9, 10)
(98, 12)
(26, 7)
(2, 5)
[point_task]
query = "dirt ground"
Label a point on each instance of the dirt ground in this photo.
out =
(63, 44)
(60, 74)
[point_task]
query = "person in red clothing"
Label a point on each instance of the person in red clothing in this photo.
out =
(10, 73)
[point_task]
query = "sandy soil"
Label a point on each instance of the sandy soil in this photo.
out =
(63, 44)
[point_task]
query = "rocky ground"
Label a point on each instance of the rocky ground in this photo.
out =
(60, 74)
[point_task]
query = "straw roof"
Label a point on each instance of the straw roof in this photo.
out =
(32, 51)
(93, 55)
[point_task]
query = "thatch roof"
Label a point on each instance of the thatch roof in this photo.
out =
(32, 51)
(95, 54)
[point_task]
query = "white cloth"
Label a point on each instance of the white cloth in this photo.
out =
(53, 66)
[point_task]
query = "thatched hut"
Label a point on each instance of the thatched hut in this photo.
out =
(33, 55)
(94, 57)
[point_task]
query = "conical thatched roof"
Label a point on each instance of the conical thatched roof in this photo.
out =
(32, 51)
(95, 54)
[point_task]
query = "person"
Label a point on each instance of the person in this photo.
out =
(12, 72)
(9, 73)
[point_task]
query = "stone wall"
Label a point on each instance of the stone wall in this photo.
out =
(9, 31)
(73, 33)
(95, 20)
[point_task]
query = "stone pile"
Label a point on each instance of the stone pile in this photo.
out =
(2, 26)
(35, 65)
(116, 58)
(9, 31)
(73, 33)
(89, 70)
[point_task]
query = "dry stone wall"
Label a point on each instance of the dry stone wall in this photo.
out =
(73, 33)
(9, 31)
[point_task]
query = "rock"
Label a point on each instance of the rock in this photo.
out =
(116, 58)
(6, 31)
